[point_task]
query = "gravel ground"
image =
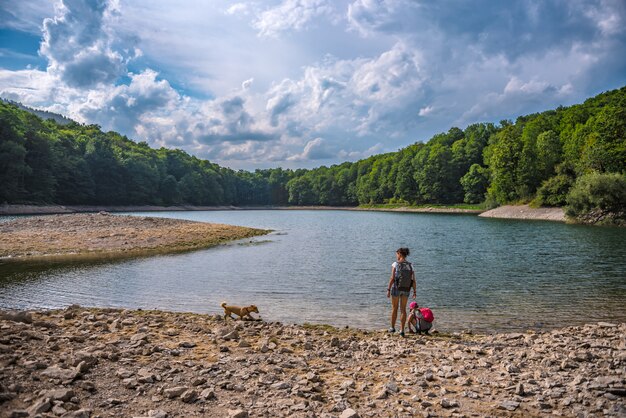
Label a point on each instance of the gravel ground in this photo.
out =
(82, 362)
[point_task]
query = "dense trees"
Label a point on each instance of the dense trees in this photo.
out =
(538, 156)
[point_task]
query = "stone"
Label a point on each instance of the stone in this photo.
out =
(509, 405)
(81, 413)
(157, 413)
(349, 413)
(233, 335)
(237, 413)
(17, 316)
(207, 394)
(187, 344)
(448, 403)
(42, 405)
(174, 392)
(519, 389)
(189, 396)
(56, 372)
(19, 413)
(60, 394)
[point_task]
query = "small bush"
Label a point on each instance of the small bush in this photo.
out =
(598, 198)
(553, 192)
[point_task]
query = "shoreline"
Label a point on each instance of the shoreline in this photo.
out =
(83, 362)
(97, 236)
(525, 212)
(7, 210)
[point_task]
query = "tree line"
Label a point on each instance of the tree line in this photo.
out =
(538, 156)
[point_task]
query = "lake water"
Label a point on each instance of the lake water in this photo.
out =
(333, 267)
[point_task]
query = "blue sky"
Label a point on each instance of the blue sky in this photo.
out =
(304, 83)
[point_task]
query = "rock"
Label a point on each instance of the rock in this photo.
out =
(237, 413)
(41, 406)
(19, 413)
(174, 392)
(60, 394)
(243, 344)
(171, 332)
(17, 316)
(281, 385)
(508, 405)
(348, 384)
(448, 403)
(56, 372)
(187, 344)
(519, 389)
(207, 394)
(124, 374)
(349, 413)
(391, 387)
(198, 381)
(81, 413)
(189, 396)
(233, 335)
(157, 413)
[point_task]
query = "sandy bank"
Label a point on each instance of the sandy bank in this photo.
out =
(104, 362)
(58, 209)
(525, 212)
(97, 235)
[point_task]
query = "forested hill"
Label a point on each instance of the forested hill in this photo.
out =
(542, 154)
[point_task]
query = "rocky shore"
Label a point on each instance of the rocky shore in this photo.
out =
(104, 235)
(82, 362)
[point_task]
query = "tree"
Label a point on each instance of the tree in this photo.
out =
(475, 183)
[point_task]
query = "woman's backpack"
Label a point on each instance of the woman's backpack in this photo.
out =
(404, 276)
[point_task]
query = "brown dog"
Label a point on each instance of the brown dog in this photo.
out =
(241, 312)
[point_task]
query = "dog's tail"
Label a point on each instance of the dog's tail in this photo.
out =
(223, 304)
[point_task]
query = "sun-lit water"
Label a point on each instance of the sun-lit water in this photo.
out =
(333, 267)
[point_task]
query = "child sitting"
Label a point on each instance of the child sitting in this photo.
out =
(420, 319)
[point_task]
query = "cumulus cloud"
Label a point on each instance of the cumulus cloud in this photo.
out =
(312, 88)
(316, 149)
(291, 15)
(79, 44)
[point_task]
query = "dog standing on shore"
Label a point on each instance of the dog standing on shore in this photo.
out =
(242, 312)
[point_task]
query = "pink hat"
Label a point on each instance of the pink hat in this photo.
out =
(413, 305)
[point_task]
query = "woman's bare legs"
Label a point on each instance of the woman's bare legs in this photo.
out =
(394, 310)
(403, 301)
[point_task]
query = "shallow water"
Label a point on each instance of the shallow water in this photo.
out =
(333, 267)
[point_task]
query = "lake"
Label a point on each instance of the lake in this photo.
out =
(333, 267)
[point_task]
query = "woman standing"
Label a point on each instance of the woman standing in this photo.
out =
(399, 288)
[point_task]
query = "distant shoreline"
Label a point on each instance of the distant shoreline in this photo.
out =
(523, 212)
(60, 209)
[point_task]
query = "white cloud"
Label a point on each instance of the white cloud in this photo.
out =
(312, 87)
(316, 149)
(425, 111)
(291, 15)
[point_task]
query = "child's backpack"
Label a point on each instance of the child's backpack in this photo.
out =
(427, 314)
(404, 276)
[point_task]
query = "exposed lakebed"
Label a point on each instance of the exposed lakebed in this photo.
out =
(333, 267)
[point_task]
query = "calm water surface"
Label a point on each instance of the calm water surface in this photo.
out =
(333, 267)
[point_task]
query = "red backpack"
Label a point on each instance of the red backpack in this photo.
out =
(427, 314)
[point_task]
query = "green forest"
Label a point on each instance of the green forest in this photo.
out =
(554, 158)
